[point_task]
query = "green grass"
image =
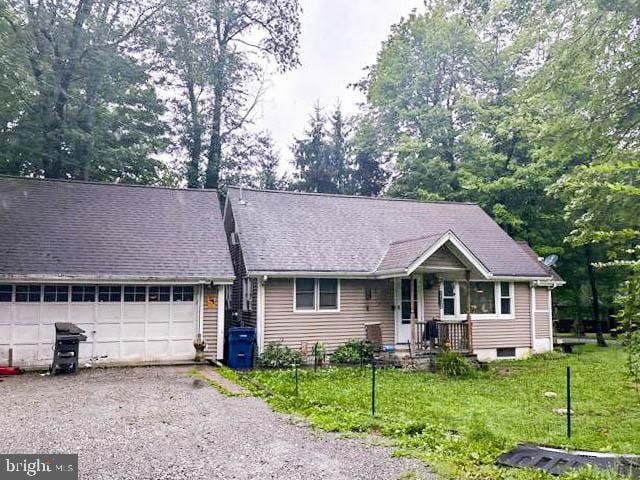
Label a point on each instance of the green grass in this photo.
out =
(460, 426)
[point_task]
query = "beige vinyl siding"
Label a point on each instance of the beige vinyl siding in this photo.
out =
(496, 333)
(210, 324)
(443, 258)
(332, 328)
(542, 312)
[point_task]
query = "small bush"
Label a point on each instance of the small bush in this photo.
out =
(276, 355)
(452, 364)
(352, 352)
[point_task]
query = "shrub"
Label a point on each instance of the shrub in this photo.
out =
(352, 352)
(452, 364)
(276, 355)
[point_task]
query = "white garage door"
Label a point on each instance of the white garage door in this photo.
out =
(122, 323)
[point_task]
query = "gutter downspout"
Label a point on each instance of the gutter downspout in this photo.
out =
(220, 326)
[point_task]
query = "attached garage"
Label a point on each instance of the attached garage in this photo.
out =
(141, 269)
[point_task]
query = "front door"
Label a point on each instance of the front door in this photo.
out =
(403, 306)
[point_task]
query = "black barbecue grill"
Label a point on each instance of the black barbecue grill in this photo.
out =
(67, 348)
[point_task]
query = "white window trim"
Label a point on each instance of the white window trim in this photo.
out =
(458, 315)
(316, 298)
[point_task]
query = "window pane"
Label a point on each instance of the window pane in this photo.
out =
(505, 306)
(109, 293)
(304, 300)
(328, 293)
(56, 293)
(159, 294)
(504, 289)
(448, 289)
(482, 298)
(28, 293)
(134, 293)
(183, 294)
(5, 293)
(305, 293)
(305, 284)
(449, 306)
(83, 293)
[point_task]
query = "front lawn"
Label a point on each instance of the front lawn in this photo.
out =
(461, 426)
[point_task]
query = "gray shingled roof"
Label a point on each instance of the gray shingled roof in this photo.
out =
(401, 254)
(295, 232)
(534, 255)
(63, 228)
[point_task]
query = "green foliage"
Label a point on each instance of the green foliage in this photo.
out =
(461, 425)
(276, 355)
(352, 352)
(629, 318)
(454, 365)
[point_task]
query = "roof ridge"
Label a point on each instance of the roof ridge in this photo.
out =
(341, 195)
(107, 184)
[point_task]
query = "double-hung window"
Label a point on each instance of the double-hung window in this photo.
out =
(316, 294)
(486, 299)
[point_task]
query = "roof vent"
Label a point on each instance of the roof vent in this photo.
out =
(234, 238)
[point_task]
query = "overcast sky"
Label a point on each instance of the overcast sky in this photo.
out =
(339, 38)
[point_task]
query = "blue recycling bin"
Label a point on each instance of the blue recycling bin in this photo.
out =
(241, 346)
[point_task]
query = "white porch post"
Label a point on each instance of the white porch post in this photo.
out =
(220, 327)
(260, 313)
(533, 317)
(414, 327)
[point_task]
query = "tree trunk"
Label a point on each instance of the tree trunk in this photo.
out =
(215, 146)
(595, 303)
(193, 171)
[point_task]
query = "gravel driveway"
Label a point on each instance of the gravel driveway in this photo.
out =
(158, 423)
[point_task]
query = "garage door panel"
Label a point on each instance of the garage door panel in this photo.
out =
(133, 331)
(25, 334)
(5, 314)
(26, 314)
(109, 349)
(184, 311)
(158, 312)
(47, 333)
(132, 350)
(107, 332)
(181, 329)
(133, 312)
(182, 348)
(158, 348)
(158, 330)
(25, 354)
(5, 335)
(84, 313)
(45, 352)
(52, 313)
(108, 313)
